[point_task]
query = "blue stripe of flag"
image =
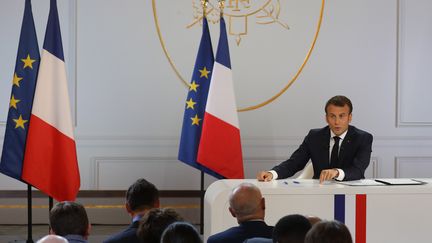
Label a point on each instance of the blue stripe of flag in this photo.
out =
(339, 207)
(222, 54)
(53, 42)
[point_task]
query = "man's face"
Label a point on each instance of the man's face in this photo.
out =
(338, 118)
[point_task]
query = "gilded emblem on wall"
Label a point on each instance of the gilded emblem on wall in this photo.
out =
(239, 12)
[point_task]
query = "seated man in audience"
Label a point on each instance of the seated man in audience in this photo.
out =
(248, 206)
(289, 229)
(328, 232)
(154, 222)
(180, 232)
(69, 219)
(52, 239)
(140, 198)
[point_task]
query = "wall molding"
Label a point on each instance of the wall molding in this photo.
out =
(401, 160)
(400, 118)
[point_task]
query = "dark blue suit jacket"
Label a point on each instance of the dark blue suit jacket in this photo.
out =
(126, 236)
(354, 154)
(242, 232)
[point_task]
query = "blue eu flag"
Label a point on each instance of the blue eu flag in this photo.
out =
(195, 103)
(21, 100)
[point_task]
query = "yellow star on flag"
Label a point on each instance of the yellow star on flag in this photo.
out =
(28, 62)
(193, 86)
(13, 102)
(195, 120)
(204, 72)
(190, 104)
(16, 80)
(20, 122)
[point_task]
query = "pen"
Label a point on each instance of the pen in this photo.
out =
(296, 182)
(285, 182)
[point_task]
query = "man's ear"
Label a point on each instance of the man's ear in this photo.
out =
(128, 209)
(157, 204)
(262, 203)
(232, 212)
(51, 231)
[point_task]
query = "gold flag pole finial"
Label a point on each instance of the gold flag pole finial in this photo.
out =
(221, 7)
(204, 6)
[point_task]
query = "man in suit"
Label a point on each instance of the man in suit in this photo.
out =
(248, 206)
(141, 197)
(338, 151)
(69, 219)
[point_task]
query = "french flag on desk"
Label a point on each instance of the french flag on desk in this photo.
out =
(50, 160)
(351, 210)
(220, 146)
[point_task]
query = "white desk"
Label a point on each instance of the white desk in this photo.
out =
(391, 213)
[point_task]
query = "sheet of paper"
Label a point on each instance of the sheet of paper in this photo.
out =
(364, 182)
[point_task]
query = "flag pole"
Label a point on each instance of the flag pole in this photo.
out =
(50, 206)
(204, 6)
(29, 215)
(202, 203)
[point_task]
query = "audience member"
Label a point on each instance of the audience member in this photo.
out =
(313, 219)
(140, 198)
(180, 232)
(289, 229)
(329, 232)
(52, 239)
(69, 219)
(248, 206)
(154, 222)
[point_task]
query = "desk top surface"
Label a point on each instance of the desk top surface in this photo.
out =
(311, 186)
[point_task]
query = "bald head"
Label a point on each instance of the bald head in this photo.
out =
(247, 203)
(52, 239)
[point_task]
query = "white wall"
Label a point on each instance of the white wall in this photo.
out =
(128, 101)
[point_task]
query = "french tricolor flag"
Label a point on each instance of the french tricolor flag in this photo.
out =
(351, 210)
(220, 146)
(50, 160)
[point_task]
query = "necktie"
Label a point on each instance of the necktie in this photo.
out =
(334, 158)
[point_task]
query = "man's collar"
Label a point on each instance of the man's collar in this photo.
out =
(342, 136)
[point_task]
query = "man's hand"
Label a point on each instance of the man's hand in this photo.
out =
(327, 175)
(264, 176)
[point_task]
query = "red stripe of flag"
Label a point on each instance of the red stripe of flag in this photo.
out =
(221, 148)
(50, 161)
(360, 230)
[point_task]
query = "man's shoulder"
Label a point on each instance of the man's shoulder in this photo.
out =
(243, 231)
(358, 132)
(127, 235)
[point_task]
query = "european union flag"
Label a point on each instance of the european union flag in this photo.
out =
(196, 102)
(21, 100)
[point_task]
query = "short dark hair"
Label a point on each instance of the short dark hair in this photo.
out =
(291, 229)
(142, 195)
(180, 232)
(69, 218)
(154, 222)
(341, 101)
(328, 232)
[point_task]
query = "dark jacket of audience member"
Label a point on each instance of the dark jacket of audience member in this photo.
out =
(248, 206)
(69, 219)
(153, 224)
(180, 232)
(140, 198)
(329, 232)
